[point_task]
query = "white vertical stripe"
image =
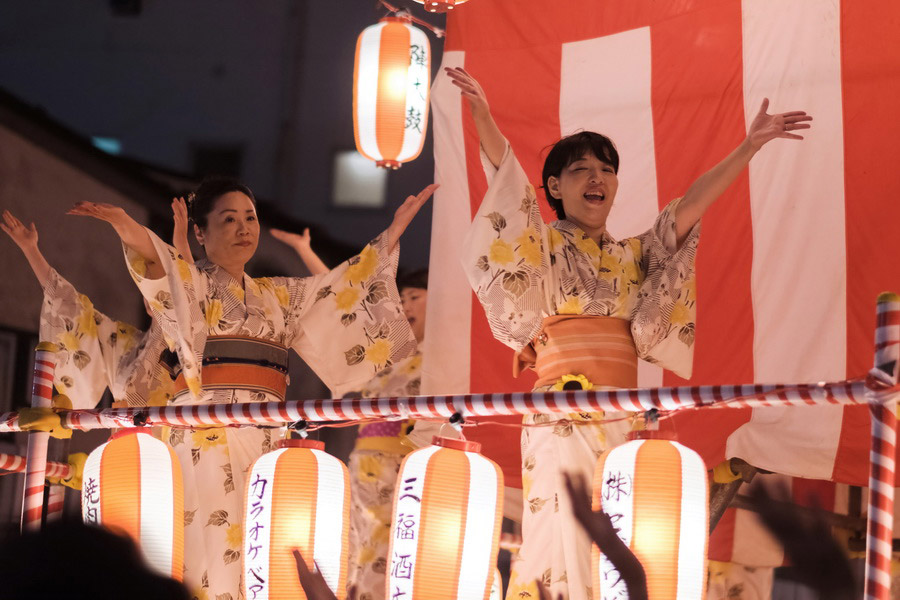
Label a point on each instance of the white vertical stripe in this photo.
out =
(476, 567)
(157, 503)
(447, 352)
(620, 462)
(694, 528)
(367, 89)
(613, 97)
(792, 56)
(256, 552)
(330, 504)
(417, 83)
(90, 486)
(407, 511)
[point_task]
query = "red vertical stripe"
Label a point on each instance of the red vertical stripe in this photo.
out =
(870, 74)
(699, 119)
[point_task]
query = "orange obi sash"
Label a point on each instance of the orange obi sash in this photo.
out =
(600, 348)
(237, 362)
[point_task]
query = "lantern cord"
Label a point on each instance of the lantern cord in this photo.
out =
(404, 13)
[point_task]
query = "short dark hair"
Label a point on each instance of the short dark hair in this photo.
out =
(203, 201)
(414, 279)
(568, 150)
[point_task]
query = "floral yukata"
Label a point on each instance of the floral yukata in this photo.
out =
(346, 324)
(96, 352)
(374, 464)
(527, 273)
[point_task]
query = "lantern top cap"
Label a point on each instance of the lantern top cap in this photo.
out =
(403, 18)
(651, 434)
(456, 444)
(128, 431)
(298, 443)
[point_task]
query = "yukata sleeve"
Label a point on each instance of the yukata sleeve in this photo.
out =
(90, 343)
(506, 254)
(347, 324)
(663, 321)
(176, 301)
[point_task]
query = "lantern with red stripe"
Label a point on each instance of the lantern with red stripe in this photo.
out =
(391, 81)
(656, 493)
(440, 6)
(132, 484)
(298, 496)
(445, 531)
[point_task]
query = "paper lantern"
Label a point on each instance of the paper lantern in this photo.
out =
(297, 496)
(391, 82)
(132, 484)
(440, 6)
(656, 493)
(445, 530)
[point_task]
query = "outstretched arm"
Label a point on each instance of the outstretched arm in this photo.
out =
(709, 186)
(130, 232)
(492, 140)
(180, 230)
(26, 238)
(404, 215)
(302, 245)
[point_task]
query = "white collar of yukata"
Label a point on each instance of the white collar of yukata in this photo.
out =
(571, 229)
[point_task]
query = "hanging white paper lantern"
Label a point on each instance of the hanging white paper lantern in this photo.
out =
(297, 496)
(656, 492)
(132, 484)
(445, 531)
(391, 83)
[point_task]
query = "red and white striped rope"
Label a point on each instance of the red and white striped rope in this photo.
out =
(56, 500)
(882, 470)
(36, 455)
(472, 405)
(16, 464)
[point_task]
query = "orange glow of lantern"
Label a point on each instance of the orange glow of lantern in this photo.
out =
(657, 493)
(445, 531)
(440, 6)
(132, 484)
(391, 83)
(297, 496)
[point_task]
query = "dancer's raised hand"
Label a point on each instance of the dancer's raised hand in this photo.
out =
(180, 229)
(114, 215)
(404, 215)
(130, 231)
(471, 90)
(297, 241)
(24, 237)
(766, 127)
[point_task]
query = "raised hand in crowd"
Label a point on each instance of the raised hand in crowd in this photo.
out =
(806, 537)
(404, 215)
(180, 229)
(302, 245)
(601, 530)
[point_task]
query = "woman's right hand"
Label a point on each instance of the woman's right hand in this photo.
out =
(26, 238)
(114, 215)
(470, 90)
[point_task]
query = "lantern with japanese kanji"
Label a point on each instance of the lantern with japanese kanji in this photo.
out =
(391, 82)
(132, 484)
(297, 496)
(440, 6)
(656, 493)
(445, 530)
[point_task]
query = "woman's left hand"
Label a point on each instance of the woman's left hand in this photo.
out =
(114, 215)
(766, 127)
(404, 215)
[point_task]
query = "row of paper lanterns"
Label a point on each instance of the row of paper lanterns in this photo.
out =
(447, 511)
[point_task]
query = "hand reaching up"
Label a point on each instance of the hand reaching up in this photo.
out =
(404, 215)
(25, 238)
(766, 127)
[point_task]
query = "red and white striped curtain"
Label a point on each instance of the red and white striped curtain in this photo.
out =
(792, 256)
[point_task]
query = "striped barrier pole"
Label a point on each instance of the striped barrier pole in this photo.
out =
(470, 405)
(880, 526)
(16, 464)
(56, 499)
(36, 456)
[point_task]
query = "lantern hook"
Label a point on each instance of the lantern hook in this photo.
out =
(300, 427)
(140, 419)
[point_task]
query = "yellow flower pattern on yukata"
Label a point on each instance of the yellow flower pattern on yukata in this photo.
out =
(501, 253)
(579, 379)
(206, 439)
(346, 299)
(379, 352)
(364, 268)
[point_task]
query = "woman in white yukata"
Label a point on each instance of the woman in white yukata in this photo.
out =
(232, 333)
(580, 308)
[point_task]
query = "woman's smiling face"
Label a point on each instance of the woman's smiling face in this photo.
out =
(232, 230)
(587, 188)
